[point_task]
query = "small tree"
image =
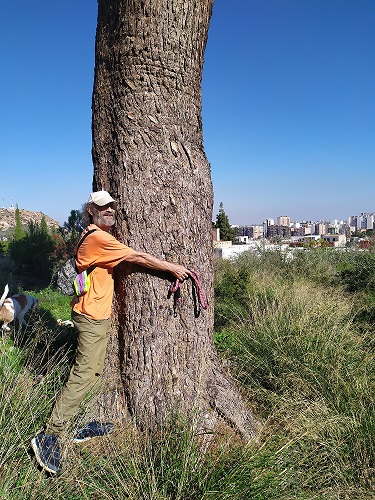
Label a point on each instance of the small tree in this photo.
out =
(74, 226)
(74, 223)
(227, 232)
(19, 233)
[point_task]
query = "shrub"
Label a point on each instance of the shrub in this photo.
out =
(358, 271)
(32, 253)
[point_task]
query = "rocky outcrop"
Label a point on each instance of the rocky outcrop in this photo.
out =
(8, 220)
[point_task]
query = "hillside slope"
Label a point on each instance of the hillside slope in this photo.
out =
(8, 220)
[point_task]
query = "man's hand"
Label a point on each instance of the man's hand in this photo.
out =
(179, 272)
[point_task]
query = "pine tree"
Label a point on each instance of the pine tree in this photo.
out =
(147, 94)
(227, 233)
(75, 223)
(19, 233)
(43, 226)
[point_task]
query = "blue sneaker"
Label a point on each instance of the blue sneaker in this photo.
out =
(47, 452)
(93, 429)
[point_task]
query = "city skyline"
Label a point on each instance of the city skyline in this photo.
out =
(323, 219)
(303, 220)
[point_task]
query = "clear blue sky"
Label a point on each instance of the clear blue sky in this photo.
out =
(288, 107)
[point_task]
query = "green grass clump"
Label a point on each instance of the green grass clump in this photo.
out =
(297, 346)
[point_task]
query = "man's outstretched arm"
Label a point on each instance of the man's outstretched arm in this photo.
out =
(146, 260)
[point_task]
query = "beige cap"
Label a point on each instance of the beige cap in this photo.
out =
(101, 198)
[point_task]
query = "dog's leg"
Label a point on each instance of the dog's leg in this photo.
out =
(21, 320)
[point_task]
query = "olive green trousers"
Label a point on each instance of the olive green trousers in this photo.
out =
(85, 372)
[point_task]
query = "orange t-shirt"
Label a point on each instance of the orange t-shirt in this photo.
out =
(99, 249)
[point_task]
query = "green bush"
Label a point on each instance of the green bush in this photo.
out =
(358, 272)
(32, 253)
(3, 248)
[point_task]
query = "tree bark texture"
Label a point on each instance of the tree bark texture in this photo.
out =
(148, 153)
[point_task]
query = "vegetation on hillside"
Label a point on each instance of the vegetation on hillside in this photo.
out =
(298, 335)
(38, 251)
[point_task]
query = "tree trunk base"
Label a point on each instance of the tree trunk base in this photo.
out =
(225, 407)
(229, 404)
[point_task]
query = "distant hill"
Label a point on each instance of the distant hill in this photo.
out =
(8, 220)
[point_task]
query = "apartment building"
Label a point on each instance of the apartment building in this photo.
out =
(362, 222)
(278, 231)
(253, 231)
(283, 220)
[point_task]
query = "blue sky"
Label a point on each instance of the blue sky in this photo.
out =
(288, 107)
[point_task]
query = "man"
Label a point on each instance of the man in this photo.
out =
(91, 317)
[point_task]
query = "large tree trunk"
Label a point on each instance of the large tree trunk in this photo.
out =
(148, 153)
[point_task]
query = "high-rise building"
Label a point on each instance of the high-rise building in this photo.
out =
(321, 228)
(362, 222)
(266, 224)
(352, 221)
(283, 220)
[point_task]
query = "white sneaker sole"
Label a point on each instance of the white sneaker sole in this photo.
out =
(78, 440)
(38, 458)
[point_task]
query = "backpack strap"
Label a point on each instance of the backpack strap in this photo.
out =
(91, 268)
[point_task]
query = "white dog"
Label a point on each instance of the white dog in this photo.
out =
(14, 308)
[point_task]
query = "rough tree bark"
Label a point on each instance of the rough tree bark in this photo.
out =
(148, 153)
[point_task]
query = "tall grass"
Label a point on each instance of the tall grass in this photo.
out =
(295, 339)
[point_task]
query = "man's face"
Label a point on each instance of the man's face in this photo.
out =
(103, 217)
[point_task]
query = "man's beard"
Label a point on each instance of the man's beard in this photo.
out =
(104, 218)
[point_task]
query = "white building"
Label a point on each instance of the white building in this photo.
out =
(338, 240)
(362, 222)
